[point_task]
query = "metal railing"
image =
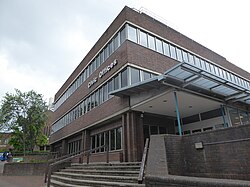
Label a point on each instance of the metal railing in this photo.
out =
(143, 162)
(64, 161)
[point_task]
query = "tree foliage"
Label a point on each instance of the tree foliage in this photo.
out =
(24, 114)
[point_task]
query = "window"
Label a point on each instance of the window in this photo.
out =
(135, 75)
(173, 52)
(124, 78)
(143, 39)
(116, 82)
(211, 114)
(185, 56)
(191, 58)
(166, 49)
(179, 54)
(191, 119)
(111, 137)
(132, 35)
(151, 42)
(116, 41)
(97, 96)
(159, 46)
(146, 75)
(123, 35)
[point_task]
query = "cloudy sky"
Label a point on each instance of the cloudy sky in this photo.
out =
(42, 41)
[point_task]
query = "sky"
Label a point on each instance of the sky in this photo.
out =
(43, 41)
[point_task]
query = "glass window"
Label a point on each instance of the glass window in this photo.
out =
(191, 58)
(111, 85)
(244, 118)
(185, 56)
(153, 129)
(197, 61)
(116, 42)
(116, 82)
(87, 72)
(135, 75)
(234, 116)
(101, 95)
(143, 39)
(124, 78)
(173, 52)
(151, 42)
(97, 61)
(159, 46)
(179, 54)
(106, 53)
(118, 138)
(191, 119)
(162, 130)
(89, 103)
(146, 75)
(111, 47)
(105, 92)
(196, 131)
(101, 57)
(132, 35)
(97, 96)
(166, 49)
(123, 35)
(93, 100)
(112, 139)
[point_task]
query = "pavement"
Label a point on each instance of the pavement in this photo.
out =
(20, 181)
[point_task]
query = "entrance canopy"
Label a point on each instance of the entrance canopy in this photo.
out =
(198, 89)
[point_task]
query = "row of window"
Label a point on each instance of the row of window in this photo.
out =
(148, 40)
(74, 147)
(153, 129)
(126, 77)
(112, 138)
(99, 59)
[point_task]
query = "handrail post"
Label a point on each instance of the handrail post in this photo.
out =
(49, 176)
(143, 162)
(88, 154)
(107, 153)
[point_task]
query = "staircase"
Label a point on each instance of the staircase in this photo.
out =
(97, 174)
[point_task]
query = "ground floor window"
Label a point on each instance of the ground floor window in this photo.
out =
(74, 147)
(153, 129)
(111, 137)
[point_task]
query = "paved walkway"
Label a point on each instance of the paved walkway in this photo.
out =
(20, 181)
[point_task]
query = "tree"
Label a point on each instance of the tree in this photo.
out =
(24, 114)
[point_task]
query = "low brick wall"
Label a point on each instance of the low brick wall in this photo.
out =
(23, 169)
(182, 181)
(222, 160)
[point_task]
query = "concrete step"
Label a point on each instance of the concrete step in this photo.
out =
(108, 164)
(114, 167)
(55, 183)
(79, 182)
(102, 172)
(109, 178)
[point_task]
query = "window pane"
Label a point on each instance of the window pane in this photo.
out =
(153, 130)
(101, 57)
(143, 39)
(146, 75)
(124, 78)
(132, 34)
(112, 139)
(98, 61)
(159, 46)
(116, 82)
(179, 54)
(166, 49)
(135, 75)
(101, 95)
(93, 100)
(185, 56)
(123, 35)
(111, 47)
(172, 52)
(116, 42)
(97, 96)
(105, 92)
(191, 58)
(162, 130)
(151, 42)
(118, 138)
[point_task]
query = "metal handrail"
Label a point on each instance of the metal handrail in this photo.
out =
(143, 162)
(54, 164)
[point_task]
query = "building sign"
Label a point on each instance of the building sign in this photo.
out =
(103, 72)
